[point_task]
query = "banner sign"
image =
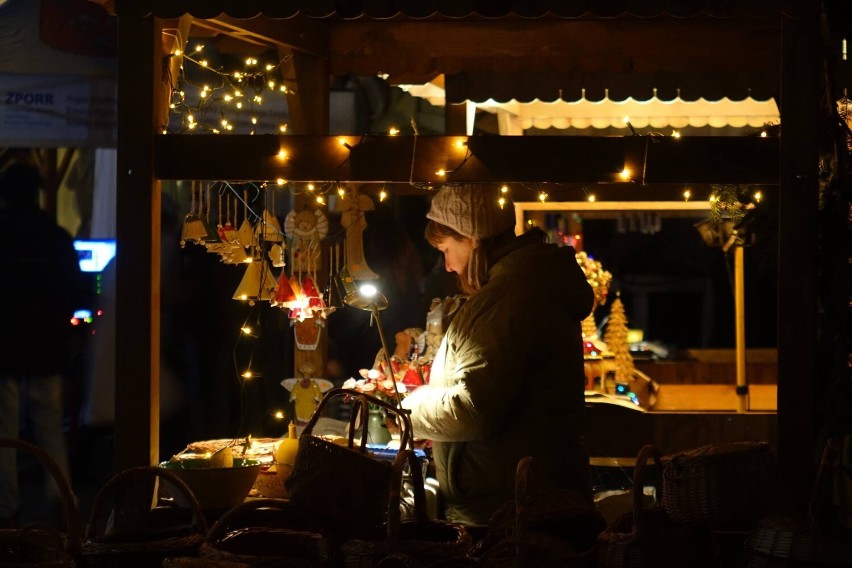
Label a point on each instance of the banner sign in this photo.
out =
(57, 111)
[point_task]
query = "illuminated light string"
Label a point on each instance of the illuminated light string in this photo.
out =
(247, 374)
(226, 93)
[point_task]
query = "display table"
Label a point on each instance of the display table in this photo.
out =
(684, 417)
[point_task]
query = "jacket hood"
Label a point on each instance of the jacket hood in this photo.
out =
(549, 271)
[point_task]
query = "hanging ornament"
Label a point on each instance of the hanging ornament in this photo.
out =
(268, 229)
(228, 232)
(306, 229)
(257, 283)
(193, 230)
(283, 296)
(211, 236)
(311, 294)
(353, 207)
(276, 254)
(236, 254)
(307, 333)
(245, 234)
(220, 245)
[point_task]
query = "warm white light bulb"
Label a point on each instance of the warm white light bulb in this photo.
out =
(368, 290)
(591, 198)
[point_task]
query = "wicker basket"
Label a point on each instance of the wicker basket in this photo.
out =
(816, 540)
(125, 530)
(413, 543)
(648, 536)
(268, 532)
(39, 545)
(344, 486)
(541, 527)
(725, 486)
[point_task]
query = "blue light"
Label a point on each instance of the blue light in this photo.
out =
(94, 254)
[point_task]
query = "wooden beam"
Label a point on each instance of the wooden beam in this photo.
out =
(304, 35)
(308, 102)
(555, 46)
(534, 159)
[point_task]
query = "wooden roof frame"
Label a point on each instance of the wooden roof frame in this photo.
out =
(142, 152)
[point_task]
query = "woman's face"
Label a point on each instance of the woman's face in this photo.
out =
(456, 253)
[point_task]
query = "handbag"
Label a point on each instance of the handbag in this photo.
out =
(344, 485)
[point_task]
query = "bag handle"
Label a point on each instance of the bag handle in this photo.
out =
(639, 472)
(365, 400)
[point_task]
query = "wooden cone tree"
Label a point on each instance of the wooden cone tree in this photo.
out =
(616, 341)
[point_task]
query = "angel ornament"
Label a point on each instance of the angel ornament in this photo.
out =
(306, 392)
(306, 229)
(353, 206)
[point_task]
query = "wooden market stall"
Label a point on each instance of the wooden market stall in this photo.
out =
(502, 50)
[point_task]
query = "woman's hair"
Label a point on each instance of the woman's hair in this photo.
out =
(475, 274)
(436, 232)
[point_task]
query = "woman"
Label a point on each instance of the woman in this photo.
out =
(507, 381)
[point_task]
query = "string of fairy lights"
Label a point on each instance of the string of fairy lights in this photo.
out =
(215, 99)
(227, 100)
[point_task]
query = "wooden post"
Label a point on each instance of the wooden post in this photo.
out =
(137, 340)
(797, 247)
(739, 318)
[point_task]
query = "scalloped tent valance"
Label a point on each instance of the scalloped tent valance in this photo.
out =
(461, 9)
(653, 112)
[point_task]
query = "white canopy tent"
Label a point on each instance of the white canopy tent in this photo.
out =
(514, 117)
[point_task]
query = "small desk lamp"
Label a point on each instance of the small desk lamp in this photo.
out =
(368, 298)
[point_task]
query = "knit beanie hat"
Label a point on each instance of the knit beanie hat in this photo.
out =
(472, 210)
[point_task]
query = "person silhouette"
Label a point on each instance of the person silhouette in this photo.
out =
(41, 288)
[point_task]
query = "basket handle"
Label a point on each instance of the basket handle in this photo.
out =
(403, 458)
(144, 472)
(224, 522)
(639, 471)
(364, 400)
(69, 509)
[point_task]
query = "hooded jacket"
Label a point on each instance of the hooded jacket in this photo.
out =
(507, 382)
